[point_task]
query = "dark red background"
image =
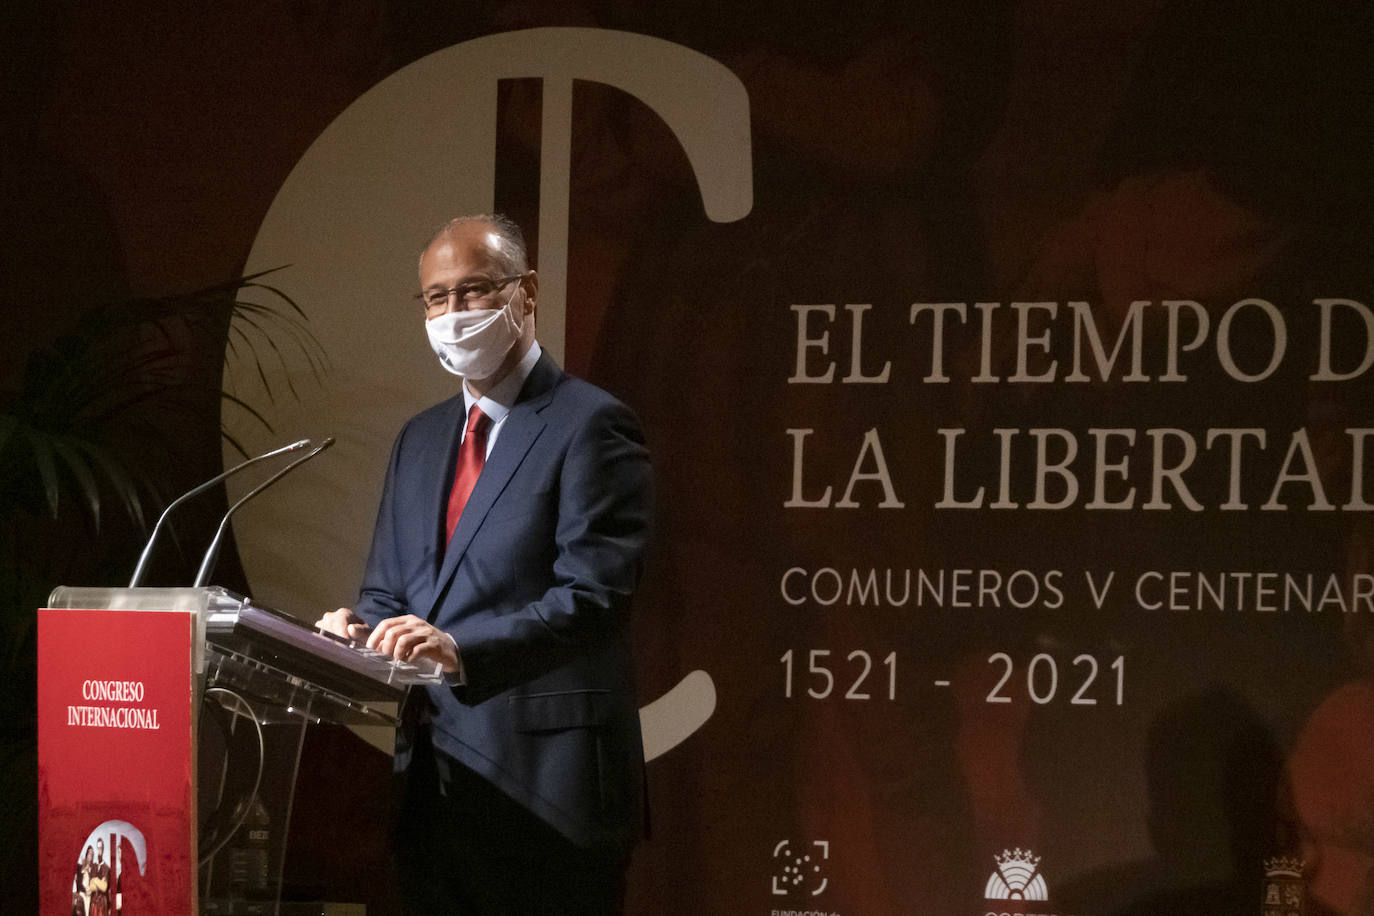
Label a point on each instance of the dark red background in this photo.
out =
(904, 152)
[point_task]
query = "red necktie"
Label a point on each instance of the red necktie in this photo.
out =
(472, 454)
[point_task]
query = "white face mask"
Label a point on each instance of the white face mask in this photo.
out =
(473, 343)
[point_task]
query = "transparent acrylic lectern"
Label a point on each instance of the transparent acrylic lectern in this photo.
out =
(257, 679)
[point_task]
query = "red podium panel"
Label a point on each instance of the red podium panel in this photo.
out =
(115, 762)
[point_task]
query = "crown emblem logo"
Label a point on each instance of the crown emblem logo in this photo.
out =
(1017, 877)
(1283, 866)
(1284, 894)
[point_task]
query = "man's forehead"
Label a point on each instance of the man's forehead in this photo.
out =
(468, 242)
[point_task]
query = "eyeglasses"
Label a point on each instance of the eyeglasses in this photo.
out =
(469, 293)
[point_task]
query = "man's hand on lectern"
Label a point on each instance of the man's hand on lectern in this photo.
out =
(410, 639)
(406, 639)
(344, 623)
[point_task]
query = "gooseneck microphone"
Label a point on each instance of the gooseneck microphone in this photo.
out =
(196, 491)
(208, 564)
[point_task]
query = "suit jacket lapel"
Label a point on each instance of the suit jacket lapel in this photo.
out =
(438, 479)
(522, 427)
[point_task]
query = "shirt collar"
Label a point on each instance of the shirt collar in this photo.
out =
(497, 402)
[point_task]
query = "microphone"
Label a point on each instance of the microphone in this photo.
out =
(148, 548)
(207, 564)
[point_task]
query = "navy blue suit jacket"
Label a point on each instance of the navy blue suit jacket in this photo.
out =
(535, 589)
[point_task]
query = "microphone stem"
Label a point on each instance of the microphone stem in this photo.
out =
(157, 528)
(211, 555)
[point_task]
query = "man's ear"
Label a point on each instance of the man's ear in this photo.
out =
(530, 284)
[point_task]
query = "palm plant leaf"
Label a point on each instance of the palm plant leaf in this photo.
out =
(251, 411)
(251, 283)
(80, 470)
(46, 466)
(125, 367)
(120, 480)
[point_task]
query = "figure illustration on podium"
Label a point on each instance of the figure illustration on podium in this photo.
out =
(81, 894)
(96, 885)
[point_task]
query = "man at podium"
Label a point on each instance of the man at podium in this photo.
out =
(508, 542)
